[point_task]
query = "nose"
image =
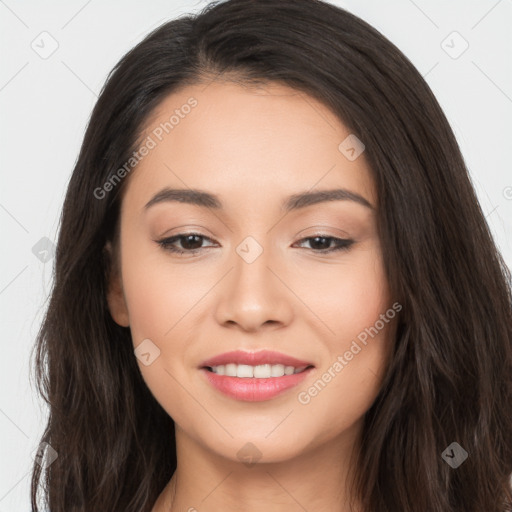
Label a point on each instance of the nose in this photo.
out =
(253, 295)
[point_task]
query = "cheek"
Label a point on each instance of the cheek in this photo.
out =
(161, 298)
(345, 387)
(357, 308)
(150, 304)
(157, 309)
(350, 297)
(158, 291)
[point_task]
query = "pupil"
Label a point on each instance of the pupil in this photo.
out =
(188, 242)
(325, 244)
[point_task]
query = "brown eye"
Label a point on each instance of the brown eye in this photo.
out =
(322, 244)
(190, 243)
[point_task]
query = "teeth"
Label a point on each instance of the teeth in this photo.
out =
(262, 371)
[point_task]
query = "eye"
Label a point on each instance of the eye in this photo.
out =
(322, 243)
(192, 243)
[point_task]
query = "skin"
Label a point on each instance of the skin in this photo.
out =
(253, 147)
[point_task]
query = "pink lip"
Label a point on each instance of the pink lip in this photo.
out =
(254, 359)
(254, 390)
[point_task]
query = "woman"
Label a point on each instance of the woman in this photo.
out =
(274, 288)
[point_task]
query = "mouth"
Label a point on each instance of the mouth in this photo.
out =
(260, 363)
(262, 371)
(254, 376)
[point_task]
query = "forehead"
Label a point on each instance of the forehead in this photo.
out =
(245, 142)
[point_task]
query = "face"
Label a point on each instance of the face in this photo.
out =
(259, 271)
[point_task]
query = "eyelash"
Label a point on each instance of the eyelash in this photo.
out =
(166, 243)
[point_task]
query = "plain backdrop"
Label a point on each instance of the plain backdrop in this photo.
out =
(460, 48)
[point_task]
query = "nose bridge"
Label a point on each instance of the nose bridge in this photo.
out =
(253, 295)
(251, 274)
(252, 259)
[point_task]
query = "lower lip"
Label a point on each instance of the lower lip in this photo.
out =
(254, 390)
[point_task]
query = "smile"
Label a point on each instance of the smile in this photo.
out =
(262, 371)
(251, 388)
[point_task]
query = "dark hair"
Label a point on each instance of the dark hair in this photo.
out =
(450, 375)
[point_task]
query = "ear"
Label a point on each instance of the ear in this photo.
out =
(115, 295)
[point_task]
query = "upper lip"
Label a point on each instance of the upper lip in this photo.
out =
(254, 359)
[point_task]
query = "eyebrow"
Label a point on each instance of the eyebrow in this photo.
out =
(293, 202)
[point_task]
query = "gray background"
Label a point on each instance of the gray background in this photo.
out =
(46, 102)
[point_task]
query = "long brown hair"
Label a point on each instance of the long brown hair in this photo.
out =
(450, 376)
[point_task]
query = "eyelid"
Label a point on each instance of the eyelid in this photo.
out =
(185, 229)
(321, 231)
